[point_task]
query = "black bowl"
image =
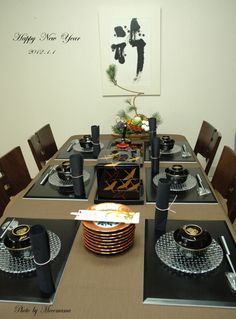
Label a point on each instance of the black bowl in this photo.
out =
(86, 142)
(176, 174)
(192, 240)
(17, 241)
(166, 143)
(64, 171)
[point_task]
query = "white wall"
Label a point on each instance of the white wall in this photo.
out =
(198, 67)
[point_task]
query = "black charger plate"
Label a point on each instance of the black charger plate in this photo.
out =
(47, 191)
(189, 196)
(162, 285)
(24, 287)
(170, 157)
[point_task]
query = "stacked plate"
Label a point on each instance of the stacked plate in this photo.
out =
(108, 238)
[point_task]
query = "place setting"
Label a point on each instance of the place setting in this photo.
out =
(187, 184)
(187, 262)
(170, 150)
(33, 254)
(67, 180)
(89, 145)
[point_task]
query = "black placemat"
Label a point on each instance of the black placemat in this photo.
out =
(64, 154)
(48, 191)
(176, 157)
(162, 285)
(190, 196)
(24, 287)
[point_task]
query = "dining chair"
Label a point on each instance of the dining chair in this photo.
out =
(42, 145)
(4, 199)
(224, 180)
(14, 172)
(207, 143)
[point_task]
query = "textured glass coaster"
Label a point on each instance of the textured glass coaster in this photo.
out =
(14, 265)
(168, 252)
(190, 183)
(55, 180)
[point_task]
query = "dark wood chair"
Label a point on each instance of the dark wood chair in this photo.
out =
(4, 199)
(14, 172)
(42, 145)
(224, 180)
(207, 143)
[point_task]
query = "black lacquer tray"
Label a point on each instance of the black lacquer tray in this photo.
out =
(186, 196)
(174, 155)
(48, 191)
(138, 201)
(24, 287)
(68, 150)
(135, 146)
(162, 285)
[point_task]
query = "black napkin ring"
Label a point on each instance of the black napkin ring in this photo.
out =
(77, 176)
(42, 264)
(168, 208)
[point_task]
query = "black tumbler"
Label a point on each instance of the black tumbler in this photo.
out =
(41, 251)
(155, 155)
(162, 204)
(95, 132)
(76, 164)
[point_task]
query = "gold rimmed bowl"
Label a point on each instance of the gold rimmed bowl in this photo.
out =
(166, 143)
(17, 242)
(176, 174)
(192, 240)
(64, 171)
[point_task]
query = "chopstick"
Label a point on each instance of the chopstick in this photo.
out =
(45, 178)
(8, 226)
(199, 180)
(227, 252)
(70, 147)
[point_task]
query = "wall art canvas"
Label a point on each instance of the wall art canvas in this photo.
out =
(130, 39)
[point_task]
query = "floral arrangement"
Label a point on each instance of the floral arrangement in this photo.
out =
(136, 123)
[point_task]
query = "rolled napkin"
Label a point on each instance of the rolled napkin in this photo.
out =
(152, 127)
(95, 132)
(155, 155)
(76, 165)
(41, 251)
(162, 204)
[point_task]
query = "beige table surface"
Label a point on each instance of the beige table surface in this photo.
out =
(106, 287)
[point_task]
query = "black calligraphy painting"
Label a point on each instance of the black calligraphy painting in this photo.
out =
(130, 39)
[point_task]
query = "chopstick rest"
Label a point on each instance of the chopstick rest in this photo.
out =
(201, 189)
(41, 251)
(231, 276)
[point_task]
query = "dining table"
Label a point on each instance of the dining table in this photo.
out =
(134, 283)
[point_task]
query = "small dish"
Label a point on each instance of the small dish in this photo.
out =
(17, 241)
